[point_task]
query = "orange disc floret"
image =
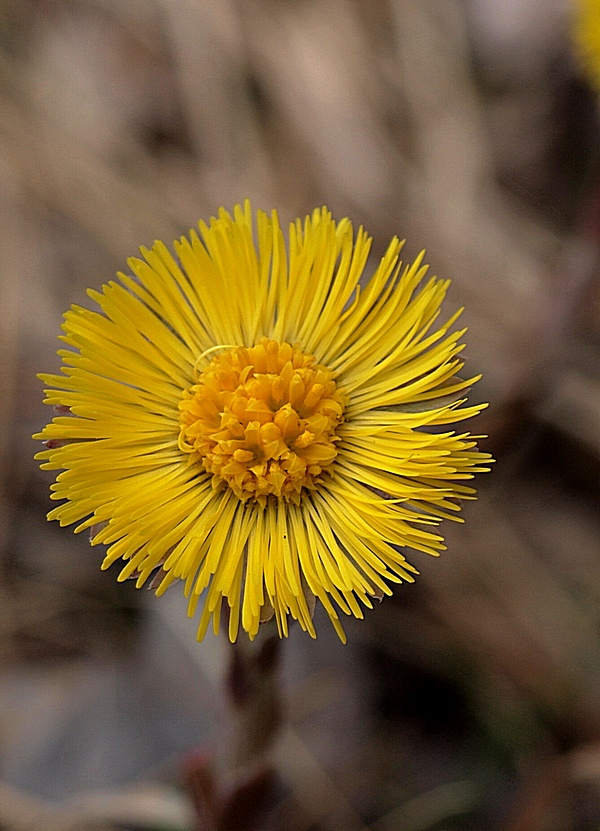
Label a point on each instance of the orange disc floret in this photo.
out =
(262, 420)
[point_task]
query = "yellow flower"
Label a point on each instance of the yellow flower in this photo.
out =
(252, 421)
(586, 36)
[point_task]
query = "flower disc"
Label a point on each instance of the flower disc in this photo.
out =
(262, 420)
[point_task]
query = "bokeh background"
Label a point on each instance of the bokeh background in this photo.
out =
(470, 700)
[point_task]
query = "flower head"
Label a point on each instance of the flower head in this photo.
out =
(258, 423)
(586, 37)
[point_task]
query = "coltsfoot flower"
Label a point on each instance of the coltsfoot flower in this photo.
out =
(251, 420)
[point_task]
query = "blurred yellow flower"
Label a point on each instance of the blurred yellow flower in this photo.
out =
(251, 421)
(586, 36)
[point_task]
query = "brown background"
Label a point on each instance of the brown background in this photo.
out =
(472, 699)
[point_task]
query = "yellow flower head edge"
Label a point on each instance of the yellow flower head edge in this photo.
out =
(258, 421)
(586, 38)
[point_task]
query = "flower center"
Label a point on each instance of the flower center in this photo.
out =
(262, 419)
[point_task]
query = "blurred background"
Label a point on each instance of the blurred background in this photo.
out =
(470, 700)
